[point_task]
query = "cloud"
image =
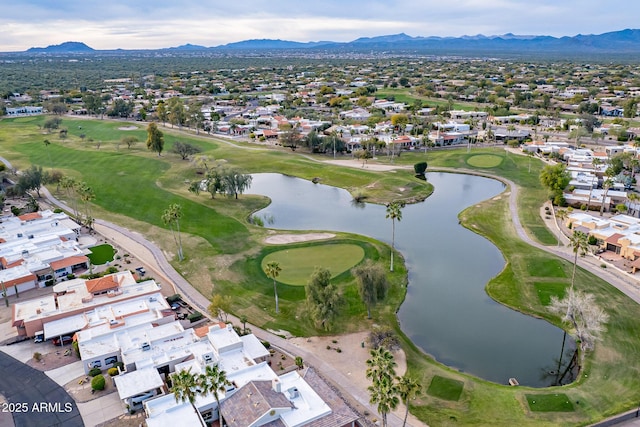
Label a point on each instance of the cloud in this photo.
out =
(163, 23)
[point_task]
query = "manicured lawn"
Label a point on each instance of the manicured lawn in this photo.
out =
(544, 267)
(558, 402)
(101, 254)
(546, 290)
(484, 161)
(445, 388)
(298, 264)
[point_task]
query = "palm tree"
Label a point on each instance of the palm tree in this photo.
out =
(380, 364)
(273, 271)
(608, 183)
(185, 389)
(213, 380)
(579, 244)
(408, 388)
(633, 199)
(171, 216)
(384, 393)
(394, 211)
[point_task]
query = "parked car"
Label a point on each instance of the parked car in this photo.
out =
(62, 341)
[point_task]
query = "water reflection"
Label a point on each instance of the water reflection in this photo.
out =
(447, 311)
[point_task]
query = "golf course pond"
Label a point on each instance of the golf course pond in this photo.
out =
(447, 312)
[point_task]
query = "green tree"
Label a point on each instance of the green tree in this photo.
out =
(383, 391)
(184, 149)
(31, 180)
(235, 183)
(185, 386)
(161, 110)
(400, 121)
(155, 138)
(323, 299)
(129, 141)
(555, 178)
(272, 270)
(213, 380)
(220, 307)
(394, 212)
(171, 217)
(372, 283)
(408, 389)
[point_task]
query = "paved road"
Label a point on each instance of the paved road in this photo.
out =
(34, 399)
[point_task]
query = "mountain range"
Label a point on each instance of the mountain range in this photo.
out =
(617, 42)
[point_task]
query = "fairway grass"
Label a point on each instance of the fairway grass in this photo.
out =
(298, 264)
(445, 388)
(224, 254)
(557, 402)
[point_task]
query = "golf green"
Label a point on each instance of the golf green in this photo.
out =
(297, 264)
(484, 161)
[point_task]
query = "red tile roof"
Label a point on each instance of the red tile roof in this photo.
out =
(68, 262)
(30, 216)
(101, 284)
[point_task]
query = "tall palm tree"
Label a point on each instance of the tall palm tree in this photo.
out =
(384, 393)
(273, 271)
(394, 211)
(633, 199)
(408, 389)
(185, 389)
(579, 244)
(171, 216)
(213, 380)
(380, 364)
(608, 183)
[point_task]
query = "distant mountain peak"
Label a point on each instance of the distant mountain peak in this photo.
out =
(66, 47)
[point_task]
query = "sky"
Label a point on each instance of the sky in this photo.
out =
(146, 24)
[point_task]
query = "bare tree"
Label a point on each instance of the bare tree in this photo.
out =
(581, 312)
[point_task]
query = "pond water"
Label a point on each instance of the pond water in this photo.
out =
(447, 312)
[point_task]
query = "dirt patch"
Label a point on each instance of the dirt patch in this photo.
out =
(80, 388)
(281, 239)
(347, 354)
(53, 360)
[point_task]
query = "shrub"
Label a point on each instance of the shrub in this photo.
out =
(173, 298)
(37, 356)
(57, 210)
(420, 168)
(592, 240)
(113, 372)
(98, 382)
(95, 371)
(195, 316)
(384, 337)
(49, 282)
(266, 344)
(76, 348)
(71, 276)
